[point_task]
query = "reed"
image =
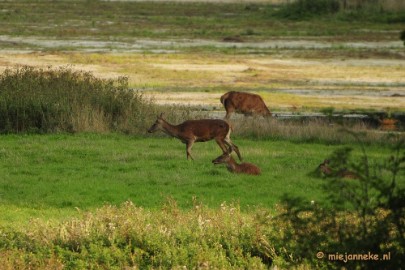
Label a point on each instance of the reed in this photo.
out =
(64, 100)
(309, 130)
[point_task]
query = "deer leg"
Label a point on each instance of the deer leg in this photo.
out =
(189, 144)
(236, 149)
(222, 144)
(233, 147)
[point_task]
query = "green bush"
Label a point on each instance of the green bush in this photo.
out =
(307, 8)
(364, 215)
(49, 100)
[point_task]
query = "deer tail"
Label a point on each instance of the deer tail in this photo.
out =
(223, 98)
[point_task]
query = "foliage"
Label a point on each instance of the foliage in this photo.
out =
(100, 20)
(369, 12)
(310, 129)
(64, 100)
(308, 8)
(372, 14)
(130, 236)
(364, 215)
(402, 36)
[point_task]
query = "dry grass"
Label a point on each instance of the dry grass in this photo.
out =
(308, 130)
(129, 237)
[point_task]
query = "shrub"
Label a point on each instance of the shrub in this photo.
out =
(364, 216)
(307, 8)
(49, 100)
(130, 237)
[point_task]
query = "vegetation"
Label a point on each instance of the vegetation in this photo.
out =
(365, 216)
(35, 100)
(86, 170)
(365, 11)
(99, 20)
(132, 237)
(403, 36)
(301, 9)
(83, 187)
(63, 100)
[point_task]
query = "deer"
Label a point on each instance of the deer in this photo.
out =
(244, 103)
(342, 173)
(202, 130)
(234, 167)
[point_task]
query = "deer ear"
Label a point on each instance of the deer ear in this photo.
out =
(161, 115)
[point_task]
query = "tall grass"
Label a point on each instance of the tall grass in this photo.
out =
(130, 237)
(34, 100)
(310, 130)
(65, 100)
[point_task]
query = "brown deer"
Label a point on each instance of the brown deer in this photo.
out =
(245, 103)
(343, 173)
(232, 166)
(202, 130)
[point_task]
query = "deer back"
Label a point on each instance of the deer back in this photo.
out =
(246, 103)
(204, 129)
(198, 130)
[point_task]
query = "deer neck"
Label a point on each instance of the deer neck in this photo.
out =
(170, 129)
(231, 165)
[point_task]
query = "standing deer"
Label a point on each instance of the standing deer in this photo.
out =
(245, 103)
(232, 166)
(202, 130)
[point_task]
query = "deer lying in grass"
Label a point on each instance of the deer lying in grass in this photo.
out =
(325, 168)
(232, 166)
(202, 130)
(245, 103)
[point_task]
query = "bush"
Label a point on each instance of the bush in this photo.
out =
(38, 100)
(129, 237)
(307, 8)
(364, 216)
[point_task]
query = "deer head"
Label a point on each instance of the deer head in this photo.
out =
(224, 158)
(157, 125)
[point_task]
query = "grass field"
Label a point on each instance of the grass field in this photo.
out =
(54, 174)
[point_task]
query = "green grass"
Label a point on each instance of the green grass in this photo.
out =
(49, 176)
